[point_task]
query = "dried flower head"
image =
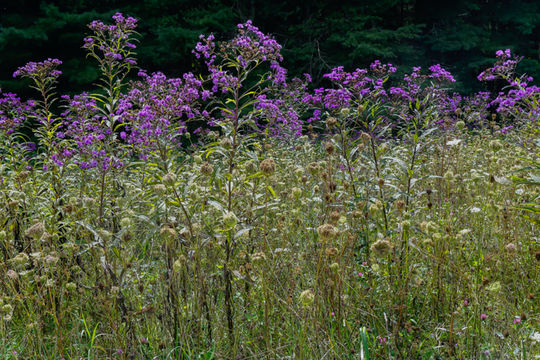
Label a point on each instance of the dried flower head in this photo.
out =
(268, 166)
(169, 179)
(327, 232)
(207, 169)
(35, 231)
(381, 247)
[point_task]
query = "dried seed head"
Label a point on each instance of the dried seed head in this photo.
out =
(258, 258)
(329, 147)
(13, 204)
(495, 145)
(313, 168)
(207, 169)
(331, 122)
(226, 143)
(35, 231)
(268, 166)
(327, 232)
(365, 137)
(169, 179)
(381, 247)
(168, 233)
(334, 216)
(400, 205)
(331, 251)
(160, 189)
(12, 274)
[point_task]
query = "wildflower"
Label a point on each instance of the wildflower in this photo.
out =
(160, 189)
(483, 316)
(230, 220)
(494, 287)
(517, 320)
(125, 222)
(70, 286)
(6, 309)
(307, 297)
(495, 145)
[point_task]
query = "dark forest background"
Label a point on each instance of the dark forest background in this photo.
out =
(462, 35)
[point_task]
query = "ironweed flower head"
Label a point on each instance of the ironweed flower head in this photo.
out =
(40, 71)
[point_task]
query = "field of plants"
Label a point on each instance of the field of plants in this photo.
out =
(239, 214)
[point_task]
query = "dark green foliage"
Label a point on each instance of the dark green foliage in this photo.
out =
(317, 35)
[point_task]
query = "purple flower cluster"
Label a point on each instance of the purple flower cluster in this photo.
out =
(90, 139)
(247, 50)
(113, 43)
(13, 112)
(156, 109)
(40, 70)
(95, 131)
